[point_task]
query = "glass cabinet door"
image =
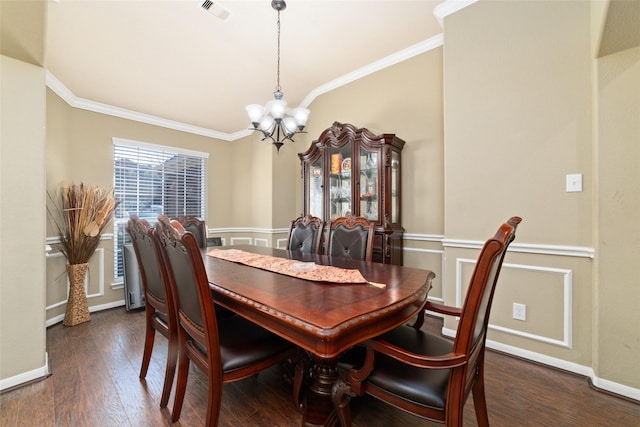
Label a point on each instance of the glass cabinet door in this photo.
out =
(315, 188)
(369, 185)
(340, 196)
(395, 187)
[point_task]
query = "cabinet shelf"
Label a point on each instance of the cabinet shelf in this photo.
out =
(341, 199)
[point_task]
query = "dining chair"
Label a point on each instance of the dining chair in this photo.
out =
(226, 349)
(159, 306)
(196, 226)
(350, 237)
(425, 374)
(305, 234)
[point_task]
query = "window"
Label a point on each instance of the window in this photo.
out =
(150, 180)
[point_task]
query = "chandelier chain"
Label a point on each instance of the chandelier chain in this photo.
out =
(278, 74)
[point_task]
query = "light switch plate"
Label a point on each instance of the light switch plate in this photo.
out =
(574, 182)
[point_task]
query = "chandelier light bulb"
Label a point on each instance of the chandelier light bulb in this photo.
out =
(266, 124)
(255, 112)
(290, 125)
(277, 107)
(300, 115)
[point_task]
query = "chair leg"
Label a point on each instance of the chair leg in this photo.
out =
(341, 395)
(214, 401)
(181, 384)
(170, 371)
(301, 370)
(479, 400)
(149, 338)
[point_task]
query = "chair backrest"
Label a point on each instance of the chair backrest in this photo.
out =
(350, 237)
(472, 326)
(305, 234)
(188, 281)
(196, 226)
(141, 234)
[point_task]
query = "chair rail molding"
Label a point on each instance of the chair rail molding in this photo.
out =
(56, 239)
(423, 237)
(574, 251)
(247, 230)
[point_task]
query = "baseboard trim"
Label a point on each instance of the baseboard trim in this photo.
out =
(59, 318)
(24, 378)
(599, 384)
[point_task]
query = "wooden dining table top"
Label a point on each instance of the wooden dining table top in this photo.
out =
(323, 318)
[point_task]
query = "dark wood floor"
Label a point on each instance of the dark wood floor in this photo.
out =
(95, 383)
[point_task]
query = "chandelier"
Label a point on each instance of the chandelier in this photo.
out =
(277, 122)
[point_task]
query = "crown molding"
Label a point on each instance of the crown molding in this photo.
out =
(449, 7)
(388, 61)
(85, 104)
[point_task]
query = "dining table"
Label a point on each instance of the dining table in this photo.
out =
(325, 305)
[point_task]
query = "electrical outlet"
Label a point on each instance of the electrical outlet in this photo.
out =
(519, 311)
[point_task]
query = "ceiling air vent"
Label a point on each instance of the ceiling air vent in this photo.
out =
(216, 10)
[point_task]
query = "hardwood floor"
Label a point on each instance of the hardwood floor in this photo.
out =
(95, 383)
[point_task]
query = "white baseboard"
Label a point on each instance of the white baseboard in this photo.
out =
(28, 376)
(610, 386)
(59, 318)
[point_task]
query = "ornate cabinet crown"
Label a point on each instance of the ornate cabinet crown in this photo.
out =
(350, 170)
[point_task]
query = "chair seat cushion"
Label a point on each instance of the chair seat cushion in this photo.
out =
(425, 387)
(244, 343)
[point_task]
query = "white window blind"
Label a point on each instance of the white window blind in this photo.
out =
(150, 180)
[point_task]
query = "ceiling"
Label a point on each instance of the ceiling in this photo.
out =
(175, 62)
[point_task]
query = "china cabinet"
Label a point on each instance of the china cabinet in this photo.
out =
(350, 170)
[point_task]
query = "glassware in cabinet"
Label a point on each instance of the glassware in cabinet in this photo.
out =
(369, 184)
(340, 195)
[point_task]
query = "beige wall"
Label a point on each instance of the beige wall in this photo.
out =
(617, 293)
(405, 99)
(521, 112)
(22, 222)
(518, 119)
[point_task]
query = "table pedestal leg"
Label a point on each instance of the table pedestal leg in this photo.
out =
(317, 405)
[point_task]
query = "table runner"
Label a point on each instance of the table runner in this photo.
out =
(290, 267)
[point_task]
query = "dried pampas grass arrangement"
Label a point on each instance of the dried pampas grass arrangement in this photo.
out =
(81, 213)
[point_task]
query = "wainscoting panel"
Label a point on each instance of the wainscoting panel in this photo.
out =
(430, 259)
(241, 241)
(261, 242)
(546, 292)
(58, 281)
